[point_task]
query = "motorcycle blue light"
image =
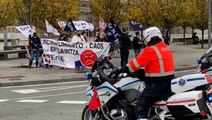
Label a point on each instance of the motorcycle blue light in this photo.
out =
(199, 62)
(88, 75)
(209, 98)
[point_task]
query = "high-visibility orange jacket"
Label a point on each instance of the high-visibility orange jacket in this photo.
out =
(156, 60)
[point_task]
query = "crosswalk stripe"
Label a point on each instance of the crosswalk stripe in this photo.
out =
(4, 100)
(32, 101)
(72, 102)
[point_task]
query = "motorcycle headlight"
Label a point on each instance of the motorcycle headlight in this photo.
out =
(209, 97)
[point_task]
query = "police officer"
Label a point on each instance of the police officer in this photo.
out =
(158, 64)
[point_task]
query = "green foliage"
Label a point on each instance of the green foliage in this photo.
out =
(34, 12)
(6, 13)
(110, 9)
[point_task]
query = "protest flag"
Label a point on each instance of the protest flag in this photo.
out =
(70, 26)
(26, 30)
(136, 26)
(102, 24)
(94, 102)
(112, 31)
(79, 25)
(61, 23)
(51, 29)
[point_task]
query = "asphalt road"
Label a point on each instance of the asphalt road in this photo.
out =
(58, 101)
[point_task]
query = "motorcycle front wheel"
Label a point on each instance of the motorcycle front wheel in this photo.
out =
(87, 114)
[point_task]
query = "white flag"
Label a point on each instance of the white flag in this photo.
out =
(82, 25)
(51, 29)
(26, 30)
(79, 25)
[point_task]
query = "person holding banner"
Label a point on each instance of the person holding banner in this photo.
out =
(101, 37)
(84, 36)
(63, 37)
(35, 43)
(78, 38)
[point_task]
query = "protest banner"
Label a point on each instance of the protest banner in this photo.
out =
(26, 30)
(51, 29)
(74, 55)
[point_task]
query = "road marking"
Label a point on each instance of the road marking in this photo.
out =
(73, 82)
(28, 91)
(4, 100)
(72, 102)
(32, 101)
(51, 95)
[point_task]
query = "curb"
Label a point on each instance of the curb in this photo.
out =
(186, 68)
(41, 81)
(80, 78)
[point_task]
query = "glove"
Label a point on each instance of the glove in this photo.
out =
(115, 72)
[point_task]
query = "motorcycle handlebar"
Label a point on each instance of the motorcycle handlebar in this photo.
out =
(102, 74)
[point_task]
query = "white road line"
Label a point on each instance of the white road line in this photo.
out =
(28, 91)
(4, 100)
(72, 102)
(73, 82)
(51, 95)
(32, 101)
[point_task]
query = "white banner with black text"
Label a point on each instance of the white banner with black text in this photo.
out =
(73, 55)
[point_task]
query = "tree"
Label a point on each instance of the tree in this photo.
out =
(6, 13)
(141, 11)
(110, 9)
(166, 12)
(186, 15)
(202, 17)
(30, 12)
(34, 12)
(61, 9)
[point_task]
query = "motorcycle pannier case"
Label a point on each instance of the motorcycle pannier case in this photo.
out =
(188, 105)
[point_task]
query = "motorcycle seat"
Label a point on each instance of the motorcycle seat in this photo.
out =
(165, 96)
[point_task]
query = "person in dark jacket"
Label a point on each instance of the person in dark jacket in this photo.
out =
(136, 44)
(63, 37)
(36, 45)
(195, 38)
(125, 45)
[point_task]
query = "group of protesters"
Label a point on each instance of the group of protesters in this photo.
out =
(126, 44)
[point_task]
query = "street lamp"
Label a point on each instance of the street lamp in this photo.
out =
(209, 23)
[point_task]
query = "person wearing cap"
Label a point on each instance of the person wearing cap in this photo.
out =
(158, 64)
(35, 44)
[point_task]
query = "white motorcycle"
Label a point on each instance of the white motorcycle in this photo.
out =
(188, 99)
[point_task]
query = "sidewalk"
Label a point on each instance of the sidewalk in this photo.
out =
(11, 72)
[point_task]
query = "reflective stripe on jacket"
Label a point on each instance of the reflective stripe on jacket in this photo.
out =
(156, 60)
